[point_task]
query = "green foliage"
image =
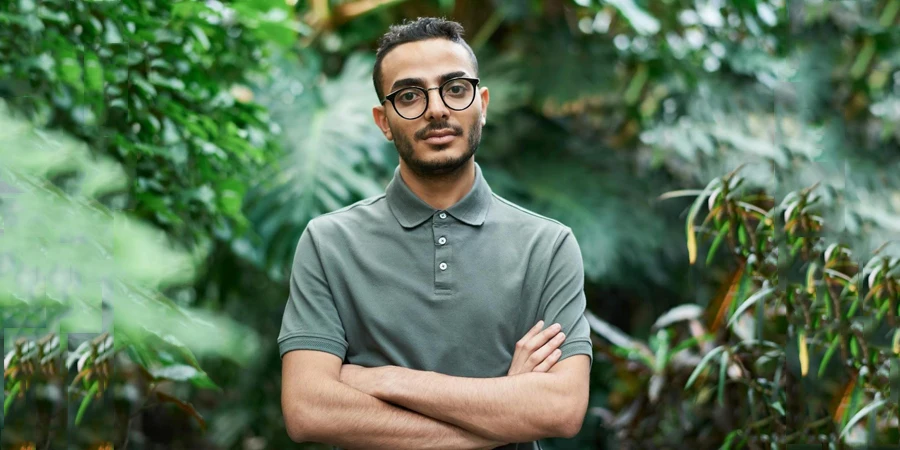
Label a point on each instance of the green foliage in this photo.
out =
(794, 299)
(56, 274)
(157, 85)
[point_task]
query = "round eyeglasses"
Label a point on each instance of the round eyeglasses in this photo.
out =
(411, 102)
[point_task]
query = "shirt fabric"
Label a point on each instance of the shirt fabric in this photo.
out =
(389, 280)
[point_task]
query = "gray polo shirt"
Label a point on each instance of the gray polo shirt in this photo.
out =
(389, 280)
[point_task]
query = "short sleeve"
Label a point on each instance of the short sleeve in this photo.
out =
(562, 297)
(311, 320)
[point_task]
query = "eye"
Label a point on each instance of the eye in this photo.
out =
(457, 88)
(408, 96)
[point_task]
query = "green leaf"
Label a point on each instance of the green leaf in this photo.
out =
(748, 303)
(723, 374)
(86, 402)
(871, 407)
(828, 354)
(13, 392)
(702, 365)
(726, 445)
(777, 407)
(640, 20)
(723, 231)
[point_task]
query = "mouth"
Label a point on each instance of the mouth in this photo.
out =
(440, 137)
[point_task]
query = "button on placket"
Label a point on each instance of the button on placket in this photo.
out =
(442, 254)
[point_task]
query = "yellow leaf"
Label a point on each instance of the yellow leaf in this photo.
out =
(691, 244)
(804, 355)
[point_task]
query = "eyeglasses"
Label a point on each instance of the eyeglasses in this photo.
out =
(411, 102)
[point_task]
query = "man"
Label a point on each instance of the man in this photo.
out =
(416, 317)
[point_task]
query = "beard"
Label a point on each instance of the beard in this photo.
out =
(436, 168)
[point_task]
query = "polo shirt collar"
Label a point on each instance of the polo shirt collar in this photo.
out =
(411, 211)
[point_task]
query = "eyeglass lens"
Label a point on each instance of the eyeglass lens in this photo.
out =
(411, 102)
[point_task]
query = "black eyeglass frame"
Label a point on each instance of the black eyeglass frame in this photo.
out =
(474, 81)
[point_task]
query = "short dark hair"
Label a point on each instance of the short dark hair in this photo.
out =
(419, 30)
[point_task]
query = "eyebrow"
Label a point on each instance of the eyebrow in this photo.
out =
(406, 82)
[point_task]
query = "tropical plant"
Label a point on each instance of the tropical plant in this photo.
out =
(79, 292)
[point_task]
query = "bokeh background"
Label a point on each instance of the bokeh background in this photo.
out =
(730, 168)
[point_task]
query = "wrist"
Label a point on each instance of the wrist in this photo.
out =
(387, 387)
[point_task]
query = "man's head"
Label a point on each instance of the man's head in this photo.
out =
(433, 135)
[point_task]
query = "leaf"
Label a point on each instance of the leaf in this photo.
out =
(86, 401)
(692, 217)
(678, 314)
(725, 295)
(723, 231)
(617, 337)
(702, 365)
(640, 20)
(896, 342)
(723, 369)
(175, 372)
(871, 407)
(827, 357)
(13, 392)
(804, 353)
(748, 303)
(184, 406)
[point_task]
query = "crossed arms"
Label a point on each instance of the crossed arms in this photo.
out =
(394, 407)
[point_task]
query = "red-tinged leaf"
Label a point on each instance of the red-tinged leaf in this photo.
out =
(839, 406)
(184, 406)
(719, 305)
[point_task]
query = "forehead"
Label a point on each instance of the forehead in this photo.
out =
(427, 59)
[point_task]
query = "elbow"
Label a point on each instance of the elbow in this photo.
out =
(294, 425)
(572, 417)
(299, 423)
(571, 427)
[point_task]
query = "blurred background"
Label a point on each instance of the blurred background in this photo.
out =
(159, 161)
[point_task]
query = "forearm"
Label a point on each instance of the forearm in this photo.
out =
(339, 415)
(518, 408)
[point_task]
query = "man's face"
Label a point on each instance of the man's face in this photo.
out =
(427, 64)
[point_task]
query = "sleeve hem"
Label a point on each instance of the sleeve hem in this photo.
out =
(309, 342)
(578, 347)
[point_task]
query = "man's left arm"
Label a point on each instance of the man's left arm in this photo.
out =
(518, 408)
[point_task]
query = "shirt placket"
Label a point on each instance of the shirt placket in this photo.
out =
(443, 266)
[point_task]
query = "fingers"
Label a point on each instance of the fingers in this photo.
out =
(535, 342)
(530, 334)
(546, 350)
(549, 362)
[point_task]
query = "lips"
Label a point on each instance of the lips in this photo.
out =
(440, 137)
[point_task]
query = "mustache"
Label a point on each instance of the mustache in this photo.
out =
(420, 135)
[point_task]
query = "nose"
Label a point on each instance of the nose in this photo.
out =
(437, 110)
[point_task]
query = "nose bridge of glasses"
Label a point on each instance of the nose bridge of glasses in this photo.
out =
(430, 103)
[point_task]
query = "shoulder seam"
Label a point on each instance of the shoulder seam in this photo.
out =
(363, 202)
(513, 205)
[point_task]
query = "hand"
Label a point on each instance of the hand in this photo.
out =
(537, 351)
(369, 380)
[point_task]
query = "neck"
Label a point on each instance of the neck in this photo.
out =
(441, 191)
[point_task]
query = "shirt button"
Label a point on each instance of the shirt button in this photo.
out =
(442, 240)
(443, 215)
(443, 266)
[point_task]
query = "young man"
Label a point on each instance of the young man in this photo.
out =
(416, 317)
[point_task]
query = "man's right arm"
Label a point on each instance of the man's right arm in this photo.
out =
(319, 408)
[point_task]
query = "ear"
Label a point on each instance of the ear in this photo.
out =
(380, 116)
(485, 99)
